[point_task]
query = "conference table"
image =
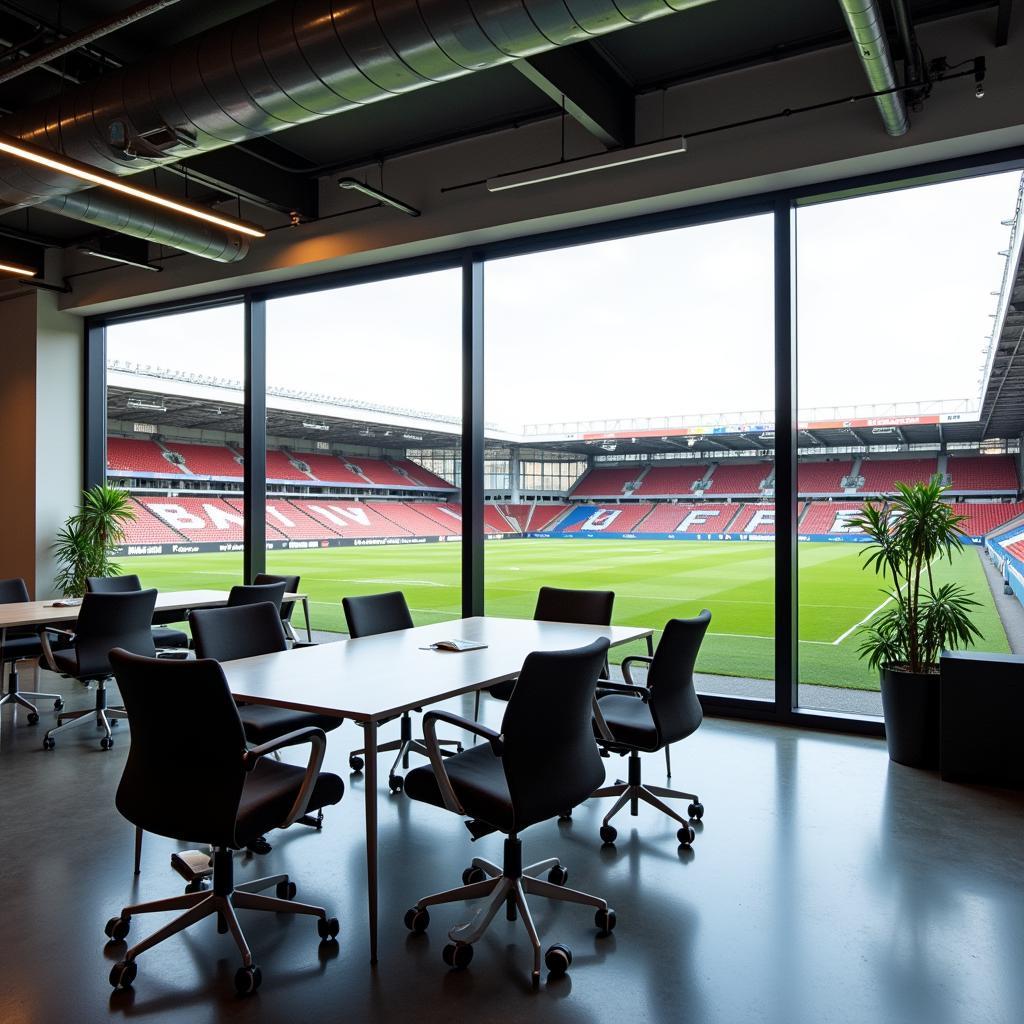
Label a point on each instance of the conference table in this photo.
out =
(375, 678)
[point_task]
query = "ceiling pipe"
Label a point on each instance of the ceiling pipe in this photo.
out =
(864, 21)
(913, 62)
(289, 63)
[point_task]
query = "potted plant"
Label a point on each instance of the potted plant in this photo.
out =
(920, 619)
(86, 544)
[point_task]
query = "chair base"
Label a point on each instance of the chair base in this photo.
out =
(508, 887)
(20, 697)
(634, 792)
(224, 900)
(404, 745)
(105, 718)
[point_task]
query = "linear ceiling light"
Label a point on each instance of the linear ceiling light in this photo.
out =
(114, 258)
(586, 164)
(13, 268)
(381, 197)
(83, 172)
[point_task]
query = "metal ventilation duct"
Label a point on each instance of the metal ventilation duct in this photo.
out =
(289, 63)
(864, 21)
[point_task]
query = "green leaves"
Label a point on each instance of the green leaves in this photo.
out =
(86, 543)
(907, 535)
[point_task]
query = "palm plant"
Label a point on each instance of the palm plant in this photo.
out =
(907, 536)
(86, 543)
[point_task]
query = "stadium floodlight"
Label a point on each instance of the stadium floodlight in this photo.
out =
(84, 172)
(311, 425)
(587, 164)
(14, 268)
(141, 403)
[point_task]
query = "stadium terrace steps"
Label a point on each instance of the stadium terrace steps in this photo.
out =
(984, 517)
(281, 467)
(544, 516)
(209, 460)
(742, 479)
(671, 481)
(134, 455)
(422, 476)
(517, 516)
(147, 528)
(408, 517)
(605, 482)
(494, 520)
(982, 473)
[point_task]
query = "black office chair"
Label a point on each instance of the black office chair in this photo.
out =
(162, 635)
(369, 616)
(21, 645)
(190, 777)
(543, 761)
(291, 586)
(253, 594)
(555, 604)
(105, 621)
(648, 718)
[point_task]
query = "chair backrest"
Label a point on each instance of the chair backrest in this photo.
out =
(184, 774)
(112, 584)
(674, 704)
(13, 591)
(243, 632)
(291, 586)
(106, 621)
(253, 594)
(589, 607)
(376, 613)
(550, 756)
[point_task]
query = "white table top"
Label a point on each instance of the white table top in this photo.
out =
(377, 677)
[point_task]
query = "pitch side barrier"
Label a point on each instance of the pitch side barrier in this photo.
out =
(1010, 566)
(215, 547)
(829, 538)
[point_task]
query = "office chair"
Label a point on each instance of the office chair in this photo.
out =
(555, 604)
(105, 621)
(291, 586)
(369, 616)
(647, 718)
(162, 635)
(21, 645)
(544, 760)
(253, 594)
(246, 631)
(190, 777)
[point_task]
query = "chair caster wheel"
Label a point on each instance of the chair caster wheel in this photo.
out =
(417, 919)
(122, 974)
(117, 928)
(107, 742)
(49, 743)
(259, 846)
(473, 874)
(328, 928)
(247, 980)
(608, 834)
(604, 921)
(457, 955)
(33, 718)
(558, 875)
(396, 783)
(286, 890)
(355, 763)
(565, 816)
(696, 810)
(558, 959)
(58, 704)
(686, 835)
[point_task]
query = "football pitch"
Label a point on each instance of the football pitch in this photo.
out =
(653, 581)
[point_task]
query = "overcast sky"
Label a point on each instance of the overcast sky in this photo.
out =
(894, 297)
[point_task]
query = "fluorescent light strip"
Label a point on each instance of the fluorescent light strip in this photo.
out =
(122, 259)
(12, 268)
(587, 164)
(84, 173)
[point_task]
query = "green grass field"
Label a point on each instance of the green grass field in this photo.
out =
(653, 581)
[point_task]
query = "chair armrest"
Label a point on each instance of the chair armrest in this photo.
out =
(317, 739)
(636, 691)
(444, 784)
(604, 733)
(172, 653)
(44, 640)
(299, 644)
(626, 662)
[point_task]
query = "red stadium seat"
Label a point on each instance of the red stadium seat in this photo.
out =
(134, 455)
(690, 517)
(741, 477)
(208, 460)
(823, 477)
(669, 481)
(982, 473)
(605, 482)
(882, 475)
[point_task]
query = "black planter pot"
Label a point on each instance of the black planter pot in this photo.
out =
(910, 703)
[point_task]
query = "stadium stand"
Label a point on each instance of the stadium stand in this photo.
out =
(600, 518)
(822, 477)
(380, 473)
(350, 518)
(739, 479)
(690, 517)
(198, 519)
(605, 482)
(447, 519)
(407, 518)
(214, 460)
(146, 528)
(982, 473)
(516, 515)
(543, 516)
(421, 475)
(494, 521)
(134, 455)
(294, 524)
(984, 517)
(328, 469)
(757, 517)
(881, 475)
(279, 467)
(668, 481)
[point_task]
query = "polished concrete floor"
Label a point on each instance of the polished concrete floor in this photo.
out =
(826, 885)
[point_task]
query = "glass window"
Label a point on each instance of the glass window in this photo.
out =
(174, 425)
(358, 379)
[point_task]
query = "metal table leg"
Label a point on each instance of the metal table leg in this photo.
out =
(305, 612)
(370, 798)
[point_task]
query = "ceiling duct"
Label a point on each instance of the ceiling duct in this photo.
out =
(289, 63)
(864, 21)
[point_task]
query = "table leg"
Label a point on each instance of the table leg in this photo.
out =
(305, 612)
(650, 645)
(370, 798)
